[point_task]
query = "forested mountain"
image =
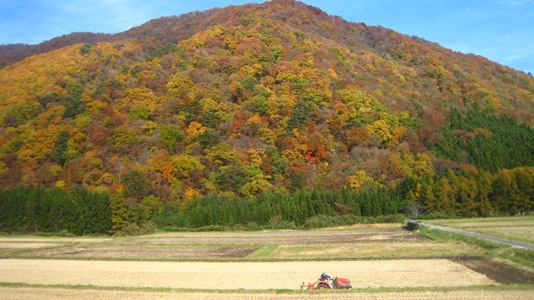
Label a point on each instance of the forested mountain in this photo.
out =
(10, 54)
(264, 99)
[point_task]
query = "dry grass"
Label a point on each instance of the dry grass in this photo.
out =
(142, 252)
(11, 293)
(374, 249)
(239, 275)
(515, 233)
(325, 236)
(346, 242)
(424, 275)
(490, 220)
(519, 229)
(26, 245)
(41, 239)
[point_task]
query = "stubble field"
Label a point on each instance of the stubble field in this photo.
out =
(382, 261)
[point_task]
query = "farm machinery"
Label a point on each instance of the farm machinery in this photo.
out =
(326, 282)
(413, 224)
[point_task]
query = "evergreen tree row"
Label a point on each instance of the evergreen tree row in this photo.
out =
(34, 209)
(262, 210)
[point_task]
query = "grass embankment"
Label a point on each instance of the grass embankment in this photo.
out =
(519, 229)
(522, 257)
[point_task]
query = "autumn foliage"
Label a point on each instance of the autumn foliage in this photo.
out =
(276, 97)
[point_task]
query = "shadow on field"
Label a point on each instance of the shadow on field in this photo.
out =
(499, 271)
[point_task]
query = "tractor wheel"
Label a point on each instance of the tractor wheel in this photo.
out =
(322, 286)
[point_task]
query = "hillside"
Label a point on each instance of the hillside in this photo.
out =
(245, 99)
(10, 54)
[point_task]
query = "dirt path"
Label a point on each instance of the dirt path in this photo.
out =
(29, 293)
(482, 236)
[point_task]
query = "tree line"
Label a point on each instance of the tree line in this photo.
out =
(273, 208)
(466, 193)
(35, 209)
(463, 193)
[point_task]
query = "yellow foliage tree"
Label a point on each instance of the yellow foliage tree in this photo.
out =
(267, 136)
(355, 100)
(183, 164)
(194, 130)
(397, 134)
(358, 179)
(381, 129)
(255, 186)
(179, 85)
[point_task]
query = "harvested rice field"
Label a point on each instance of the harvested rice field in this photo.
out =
(352, 235)
(240, 275)
(29, 293)
(382, 262)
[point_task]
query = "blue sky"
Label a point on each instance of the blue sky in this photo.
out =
(501, 30)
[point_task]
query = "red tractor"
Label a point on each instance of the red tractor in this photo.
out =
(327, 282)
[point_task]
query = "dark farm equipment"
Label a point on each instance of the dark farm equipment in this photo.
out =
(413, 224)
(326, 282)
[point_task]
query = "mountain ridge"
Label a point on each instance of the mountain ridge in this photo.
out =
(11, 53)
